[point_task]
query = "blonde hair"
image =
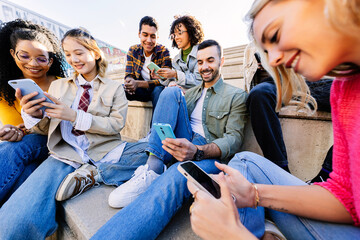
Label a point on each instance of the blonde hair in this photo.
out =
(344, 16)
(83, 37)
(291, 87)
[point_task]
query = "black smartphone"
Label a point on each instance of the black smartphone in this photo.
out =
(200, 178)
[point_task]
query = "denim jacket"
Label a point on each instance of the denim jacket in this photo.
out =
(224, 115)
(187, 72)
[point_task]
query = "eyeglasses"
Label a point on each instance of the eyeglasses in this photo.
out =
(25, 58)
(176, 34)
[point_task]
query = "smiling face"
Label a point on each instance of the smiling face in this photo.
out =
(181, 37)
(32, 58)
(209, 63)
(296, 34)
(80, 58)
(148, 38)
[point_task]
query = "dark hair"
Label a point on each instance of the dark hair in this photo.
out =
(84, 38)
(209, 43)
(147, 20)
(193, 27)
(10, 33)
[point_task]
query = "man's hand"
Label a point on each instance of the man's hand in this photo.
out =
(180, 148)
(130, 85)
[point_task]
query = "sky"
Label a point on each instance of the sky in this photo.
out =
(116, 21)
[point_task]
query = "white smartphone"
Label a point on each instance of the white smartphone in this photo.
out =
(200, 178)
(28, 86)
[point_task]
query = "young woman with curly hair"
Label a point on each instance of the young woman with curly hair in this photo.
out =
(31, 51)
(186, 33)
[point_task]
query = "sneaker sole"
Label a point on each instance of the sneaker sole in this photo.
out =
(60, 193)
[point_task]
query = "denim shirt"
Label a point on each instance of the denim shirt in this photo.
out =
(224, 115)
(187, 72)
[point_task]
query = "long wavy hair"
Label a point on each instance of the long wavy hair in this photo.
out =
(10, 33)
(291, 87)
(84, 38)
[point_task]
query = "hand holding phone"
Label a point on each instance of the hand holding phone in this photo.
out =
(200, 178)
(164, 130)
(153, 67)
(28, 86)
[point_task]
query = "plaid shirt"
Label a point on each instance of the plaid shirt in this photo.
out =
(135, 60)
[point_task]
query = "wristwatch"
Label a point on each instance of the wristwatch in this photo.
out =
(198, 155)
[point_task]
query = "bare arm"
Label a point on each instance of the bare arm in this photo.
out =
(307, 201)
(313, 201)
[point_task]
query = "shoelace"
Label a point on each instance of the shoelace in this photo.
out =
(86, 180)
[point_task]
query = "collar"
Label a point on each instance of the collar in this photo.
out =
(193, 53)
(216, 87)
(94, 83)
(156, 49)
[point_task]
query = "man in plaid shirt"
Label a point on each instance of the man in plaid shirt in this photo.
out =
(140, 83)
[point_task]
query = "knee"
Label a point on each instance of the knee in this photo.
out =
(261, 94)
(171, 93)
(244, 157)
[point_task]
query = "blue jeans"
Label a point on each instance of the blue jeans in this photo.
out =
(172, 110)
(171, 102)
(133, 156)
(152, 210)
(265, 122)
(260, 170)
(146, 217)
(30, 211)
(18, 160)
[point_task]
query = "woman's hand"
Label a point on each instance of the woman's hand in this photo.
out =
(58, 109)
(238, 185)
(213, 218)
(11, 133)
(167, 73)
(30, 107)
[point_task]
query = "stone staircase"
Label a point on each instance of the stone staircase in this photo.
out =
(307, 138)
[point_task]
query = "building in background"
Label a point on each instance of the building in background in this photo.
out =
(10, 11)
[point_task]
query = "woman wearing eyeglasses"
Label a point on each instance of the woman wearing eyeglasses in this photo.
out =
(186, 33)
(31, 51)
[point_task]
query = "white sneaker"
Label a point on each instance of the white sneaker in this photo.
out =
(129, 191)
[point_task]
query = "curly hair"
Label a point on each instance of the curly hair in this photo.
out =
(193, 27)
(83, 37)
(10, 33)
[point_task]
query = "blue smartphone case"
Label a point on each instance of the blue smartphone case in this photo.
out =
(164, 130)
(28, 86)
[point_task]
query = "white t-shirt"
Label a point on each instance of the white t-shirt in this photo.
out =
(145, 73)
(196, 116)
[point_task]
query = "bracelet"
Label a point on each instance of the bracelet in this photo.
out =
(257, 199)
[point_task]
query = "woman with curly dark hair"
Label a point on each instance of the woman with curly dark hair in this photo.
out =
(31, 51)
(186, 33)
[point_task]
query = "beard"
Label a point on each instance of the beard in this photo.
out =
(212, 77)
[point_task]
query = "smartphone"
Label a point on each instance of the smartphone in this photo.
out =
(200, 178)
(28, 86)
(164, 130)
(152, 66)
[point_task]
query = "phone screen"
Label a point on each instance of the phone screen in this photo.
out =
(201, 177)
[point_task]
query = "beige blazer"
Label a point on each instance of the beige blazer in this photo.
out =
(108, 107)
